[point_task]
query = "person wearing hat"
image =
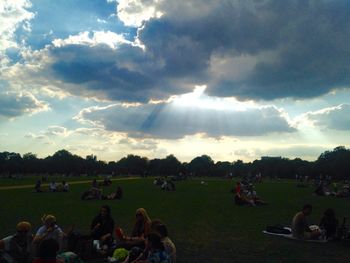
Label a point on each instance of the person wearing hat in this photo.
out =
(49, 230)
(17, 247)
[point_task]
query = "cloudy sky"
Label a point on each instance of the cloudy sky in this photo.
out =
(233, 79)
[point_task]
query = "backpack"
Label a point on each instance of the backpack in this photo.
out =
(69, 257)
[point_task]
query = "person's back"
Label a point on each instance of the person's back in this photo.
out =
(298, 225)
(170, 248)
(48, 251)
(329, 223)
(18, 247)
(168, 244)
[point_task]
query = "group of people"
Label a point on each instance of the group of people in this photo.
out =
(245, 194)
(167, 185)
(325, 188)
(148, 242)
(328, 227)
(23, 247)
(53, 187)
(95, 192)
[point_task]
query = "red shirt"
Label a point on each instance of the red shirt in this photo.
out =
(238, 189)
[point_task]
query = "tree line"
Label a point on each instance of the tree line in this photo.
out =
(335, 163)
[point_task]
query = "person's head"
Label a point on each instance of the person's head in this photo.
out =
(48, 249)
(307, 209)
(23, 229)
(162, 230)
(155, 222)
(105, 211)
(141, 215)
(153, 241)
(49, 220)
(329, 213)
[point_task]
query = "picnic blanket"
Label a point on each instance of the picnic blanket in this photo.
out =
(290, 236)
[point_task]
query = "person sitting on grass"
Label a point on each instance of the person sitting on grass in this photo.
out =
(102, 226)
(53, 186)
(17, 247)
(154, 252)
(240, 198)
(329, 223)
(118, 194)
(243, 200)
(65, 186)
(300, 226)
(169, 246)
(141, 228)
(252, 195)
(49, 230)
(94, 184)
(92, 194)
(48, 252)
(37, 187)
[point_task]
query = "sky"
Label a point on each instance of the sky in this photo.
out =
(231, 79)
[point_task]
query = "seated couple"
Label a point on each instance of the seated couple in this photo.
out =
(327, 228)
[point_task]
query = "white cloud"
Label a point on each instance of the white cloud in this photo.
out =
(86, 38)
(174, 120)
(336, 118)
(12, 15)
(135, 12)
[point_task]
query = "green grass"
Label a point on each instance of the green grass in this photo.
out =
(203, 221)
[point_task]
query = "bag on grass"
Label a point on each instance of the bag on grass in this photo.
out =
(69, 257)
(278, 229)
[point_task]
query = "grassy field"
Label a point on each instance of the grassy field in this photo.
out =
(203, 221)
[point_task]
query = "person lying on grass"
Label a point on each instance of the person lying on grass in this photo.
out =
(17, 247)
(300, 226)
(118, 194)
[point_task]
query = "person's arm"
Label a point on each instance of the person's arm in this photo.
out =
(40, 236)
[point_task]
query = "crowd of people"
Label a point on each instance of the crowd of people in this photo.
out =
(245, 194)
(167, 185)
(326, 188)
(147, 243)
(95, 191)
(53, 187)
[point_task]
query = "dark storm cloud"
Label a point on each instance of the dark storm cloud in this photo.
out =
(126, 73)
(16, 104)
(308, 42)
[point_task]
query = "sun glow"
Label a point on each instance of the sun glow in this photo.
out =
(198, 99)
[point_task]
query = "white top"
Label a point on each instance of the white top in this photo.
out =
(55, 234)
(170, 249)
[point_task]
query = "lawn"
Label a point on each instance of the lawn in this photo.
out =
(203, 222)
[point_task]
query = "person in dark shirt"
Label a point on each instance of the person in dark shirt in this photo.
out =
(102, 226)
(329, 223)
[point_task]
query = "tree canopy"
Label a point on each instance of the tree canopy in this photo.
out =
(335, 163)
